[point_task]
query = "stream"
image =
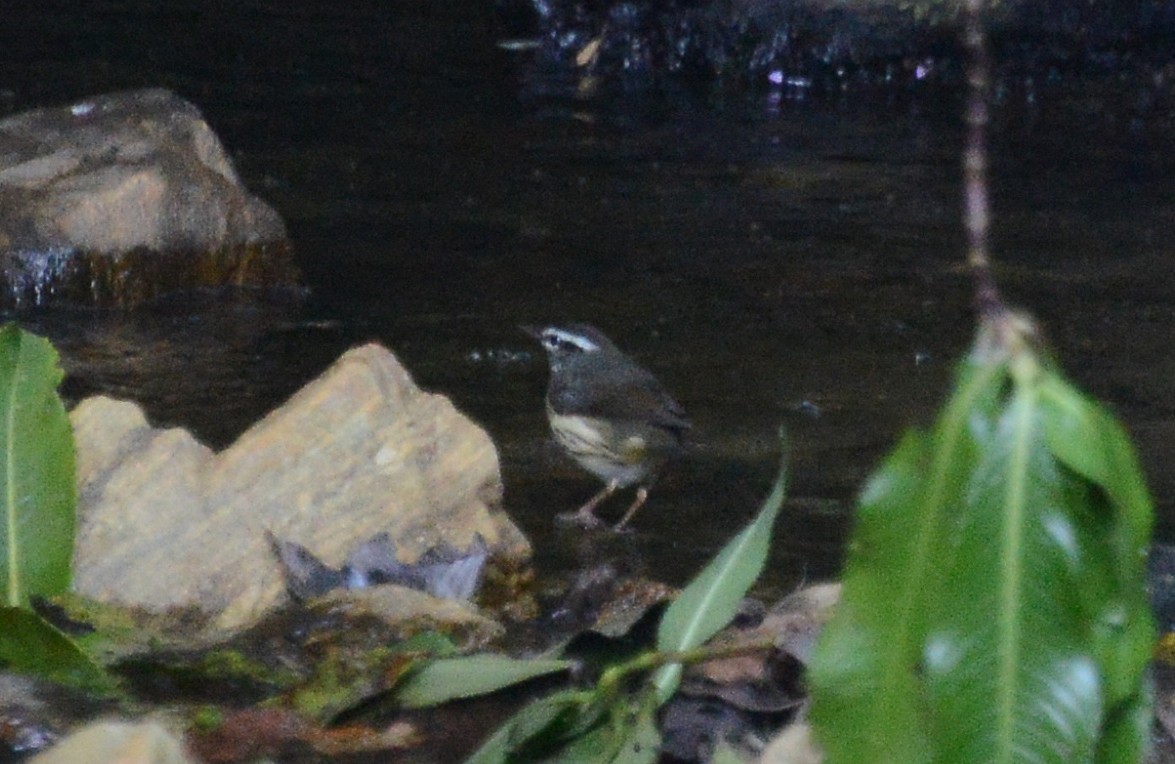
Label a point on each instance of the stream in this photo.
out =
(792, 259)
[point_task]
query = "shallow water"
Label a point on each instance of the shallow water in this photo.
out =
(789, 261)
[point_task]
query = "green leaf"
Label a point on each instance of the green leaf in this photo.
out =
(711, 600)
(1008, 662)
(542, 724)
(31, 645)
(596, 745)
(469, 676)
(863, 673)
(1087, 440)
(641, 743)
(37, 475)
(1127, 732)
(994, 607)
(627, 735)
(866, 670)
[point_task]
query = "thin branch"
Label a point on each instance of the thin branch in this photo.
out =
(976, 210)
(613, 678)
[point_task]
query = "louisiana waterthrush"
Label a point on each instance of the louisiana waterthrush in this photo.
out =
(608, 413)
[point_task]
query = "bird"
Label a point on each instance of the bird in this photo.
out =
(609, 414)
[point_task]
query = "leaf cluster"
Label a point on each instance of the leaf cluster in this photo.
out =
(615, 721)
(994, 603)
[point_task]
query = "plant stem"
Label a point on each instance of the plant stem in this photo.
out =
(976, 207)
(612, 679)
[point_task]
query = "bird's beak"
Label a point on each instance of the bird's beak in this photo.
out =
(532, 330)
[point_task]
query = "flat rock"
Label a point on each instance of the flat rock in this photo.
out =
(407, 612)
(125, 196)
(164, 521)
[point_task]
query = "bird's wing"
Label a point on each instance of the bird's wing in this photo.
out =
(639, 396)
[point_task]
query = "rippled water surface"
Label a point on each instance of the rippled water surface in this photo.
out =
(789, 260)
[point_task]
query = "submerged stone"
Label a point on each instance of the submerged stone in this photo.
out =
(443, 572)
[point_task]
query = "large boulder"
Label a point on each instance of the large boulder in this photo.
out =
(121, 197)
(166, 522)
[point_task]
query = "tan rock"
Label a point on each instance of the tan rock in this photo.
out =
(117, 742)
(164, 521)
(124, 196)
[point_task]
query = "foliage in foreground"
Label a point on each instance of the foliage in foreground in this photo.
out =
(38, 493)
(613, 722)
(994, 605)
(37, 484)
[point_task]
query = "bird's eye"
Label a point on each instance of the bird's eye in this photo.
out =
(558, 341)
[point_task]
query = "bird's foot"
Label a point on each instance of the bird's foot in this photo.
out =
(584, 517)
(642, 495)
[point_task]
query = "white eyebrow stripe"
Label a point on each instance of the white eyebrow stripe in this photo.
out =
(583, 343)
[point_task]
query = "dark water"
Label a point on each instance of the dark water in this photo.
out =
(790, 260)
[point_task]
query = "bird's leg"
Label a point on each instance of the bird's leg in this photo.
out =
(642, 494)
(586, 515)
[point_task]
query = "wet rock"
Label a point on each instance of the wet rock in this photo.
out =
(442, 572)
(123, 197)
(276, 734)
(322, 658)
(114, 741)
(605, 600)
(693, 728)
(801, 46)
(406, 612)
(306, 576)
(36, 713)
(1163, 733)
(164, 521)
(1160, 582)
(252, 734)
